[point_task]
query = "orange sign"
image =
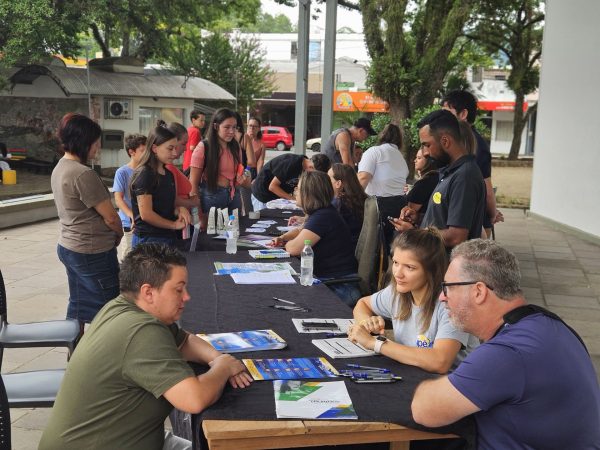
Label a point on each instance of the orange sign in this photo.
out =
(498, 106)
(358, 101)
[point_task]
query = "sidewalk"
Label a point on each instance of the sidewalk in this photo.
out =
(560, 271)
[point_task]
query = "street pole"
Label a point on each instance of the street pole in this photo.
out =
(302, 77)
(328, 70)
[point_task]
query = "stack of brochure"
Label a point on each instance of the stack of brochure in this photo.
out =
(271, 253)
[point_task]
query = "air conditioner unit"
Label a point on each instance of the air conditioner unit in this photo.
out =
(118, 108)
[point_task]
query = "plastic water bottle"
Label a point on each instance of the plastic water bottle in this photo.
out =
(306, 264)
(231, 234)
(195, 216)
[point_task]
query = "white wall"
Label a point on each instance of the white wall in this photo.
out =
(502, 147)
(116, 158)
(278, 45)
(566, 185)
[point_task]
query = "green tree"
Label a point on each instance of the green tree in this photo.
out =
(32, 29)
(412, 45)
(266, 23)
(514, 28)
(234, 63)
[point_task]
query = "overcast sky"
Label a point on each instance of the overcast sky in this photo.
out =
(345, 18)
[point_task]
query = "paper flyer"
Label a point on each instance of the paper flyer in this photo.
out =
(245, 341)
(290, 368)
(295, 399)
(229, 268)
(342, 348)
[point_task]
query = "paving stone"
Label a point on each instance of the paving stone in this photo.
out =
(562, 289)
(25, 439)
(567, 281)
(530, 293)
(537, 301)
(589, 262)
(533, 282)
(36, 419)
(557, 262)
(586, 253)
(555, 256)
(572, 301)
(560, 271)
(576, 313)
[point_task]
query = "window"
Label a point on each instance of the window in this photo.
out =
(149, 116)
(294, 53)
(504, 130)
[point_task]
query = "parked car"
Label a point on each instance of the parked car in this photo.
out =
(279, 138)
(314, 144)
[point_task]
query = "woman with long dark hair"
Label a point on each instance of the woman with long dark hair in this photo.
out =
(157, 213)
(423, 334)
(216, 167)
(90, 228)
(349, 197)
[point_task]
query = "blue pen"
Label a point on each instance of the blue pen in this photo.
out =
(378, 369)
(332, 335)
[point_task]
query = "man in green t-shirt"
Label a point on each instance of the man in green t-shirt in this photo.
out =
(130, 368)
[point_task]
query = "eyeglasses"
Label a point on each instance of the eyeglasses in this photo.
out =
(460, 283)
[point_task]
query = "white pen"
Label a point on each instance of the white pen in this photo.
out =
(284, 301)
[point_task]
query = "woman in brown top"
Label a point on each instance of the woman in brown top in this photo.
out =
(90, 228)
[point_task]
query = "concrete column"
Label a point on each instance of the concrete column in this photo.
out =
(302, 77)
(328, 70)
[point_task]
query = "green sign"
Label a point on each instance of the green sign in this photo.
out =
(344, 85)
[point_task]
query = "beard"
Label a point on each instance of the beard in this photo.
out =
(441, 161)
(459, 317)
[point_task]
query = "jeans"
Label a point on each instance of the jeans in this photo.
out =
(93, 281)
(349, 292)
(147, 239)
(219, 199)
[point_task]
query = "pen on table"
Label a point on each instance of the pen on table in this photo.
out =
(358, 366)
(332, 335)
(284, 301)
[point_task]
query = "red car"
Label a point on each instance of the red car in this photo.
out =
(279, 138)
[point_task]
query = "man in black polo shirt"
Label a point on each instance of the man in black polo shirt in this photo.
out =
(275, 180)
(457, 204)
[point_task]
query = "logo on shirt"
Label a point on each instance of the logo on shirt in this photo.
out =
(424, 342)
(437, 198)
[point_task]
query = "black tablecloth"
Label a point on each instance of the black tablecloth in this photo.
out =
(219, 305)
(207, 242)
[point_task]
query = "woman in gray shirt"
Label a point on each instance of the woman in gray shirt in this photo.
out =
(423, 334)
(90, 228)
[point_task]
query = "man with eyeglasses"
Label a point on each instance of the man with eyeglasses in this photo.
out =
(531, 384)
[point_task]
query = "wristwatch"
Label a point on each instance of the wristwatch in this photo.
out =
(379, 341)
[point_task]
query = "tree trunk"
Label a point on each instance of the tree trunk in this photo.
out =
(518, 125)
(100, 41)
(126, 43)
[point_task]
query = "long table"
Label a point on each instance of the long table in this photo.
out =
(245, 418)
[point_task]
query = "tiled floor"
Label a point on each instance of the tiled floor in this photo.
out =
(560, 271)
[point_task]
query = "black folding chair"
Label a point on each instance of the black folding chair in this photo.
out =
(53, 333)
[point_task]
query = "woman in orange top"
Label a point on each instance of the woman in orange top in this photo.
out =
(216, 166)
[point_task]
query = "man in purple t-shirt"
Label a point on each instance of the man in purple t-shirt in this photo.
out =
(531, 384)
